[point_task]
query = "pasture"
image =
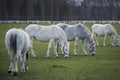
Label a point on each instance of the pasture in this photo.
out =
(105, 65)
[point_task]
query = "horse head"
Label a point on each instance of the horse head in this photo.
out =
(65, 49)
(116, 40)
(91, 46)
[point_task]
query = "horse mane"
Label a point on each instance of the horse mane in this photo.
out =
(62, 25)
(83, 26)
(115, 32)
(63, 33)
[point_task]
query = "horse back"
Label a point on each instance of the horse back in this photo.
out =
(16, 40)
(82, 30)
(102, 29)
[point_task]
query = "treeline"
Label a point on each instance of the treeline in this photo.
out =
(59, 10)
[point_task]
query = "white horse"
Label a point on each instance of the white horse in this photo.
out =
(49, 34)
(105, 30)
(79, 32)
(17, 43)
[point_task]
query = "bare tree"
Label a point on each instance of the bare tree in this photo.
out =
(60, 9)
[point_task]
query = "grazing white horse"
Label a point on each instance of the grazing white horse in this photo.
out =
(79, 32)
(49, 34)
(105, 30)
(17, 43)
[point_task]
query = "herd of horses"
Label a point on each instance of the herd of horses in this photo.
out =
(19, 41)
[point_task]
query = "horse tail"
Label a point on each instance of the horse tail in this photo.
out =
(13, 43)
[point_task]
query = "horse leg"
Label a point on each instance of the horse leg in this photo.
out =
(58, 43)
(12, 63)
(83, 48)
(111, 40)
(95, 38)
(75, 45)
(56, 49)
(16, 63)
(10, 70)
(33, 54)
(10, 67)
(119, 39)
(31, 48)
(104, 40)
(49, 46)
(24, 62)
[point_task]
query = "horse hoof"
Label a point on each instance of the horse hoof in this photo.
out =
(66, 56)
(26, 69)
(9, 71)
(48, 56)
(117, 45)
(34, 56)
(93, 54)
(85, 54)
(75, 54)
(14, 73)
(57, 56)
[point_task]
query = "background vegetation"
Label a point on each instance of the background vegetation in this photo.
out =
(59, 10)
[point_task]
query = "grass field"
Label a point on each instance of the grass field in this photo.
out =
(105, 65)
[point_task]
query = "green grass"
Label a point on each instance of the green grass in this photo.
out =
(104, 66)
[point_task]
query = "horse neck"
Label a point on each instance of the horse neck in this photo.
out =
(89, 39)
(115, 34)
(35, 30)
(63, 37)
